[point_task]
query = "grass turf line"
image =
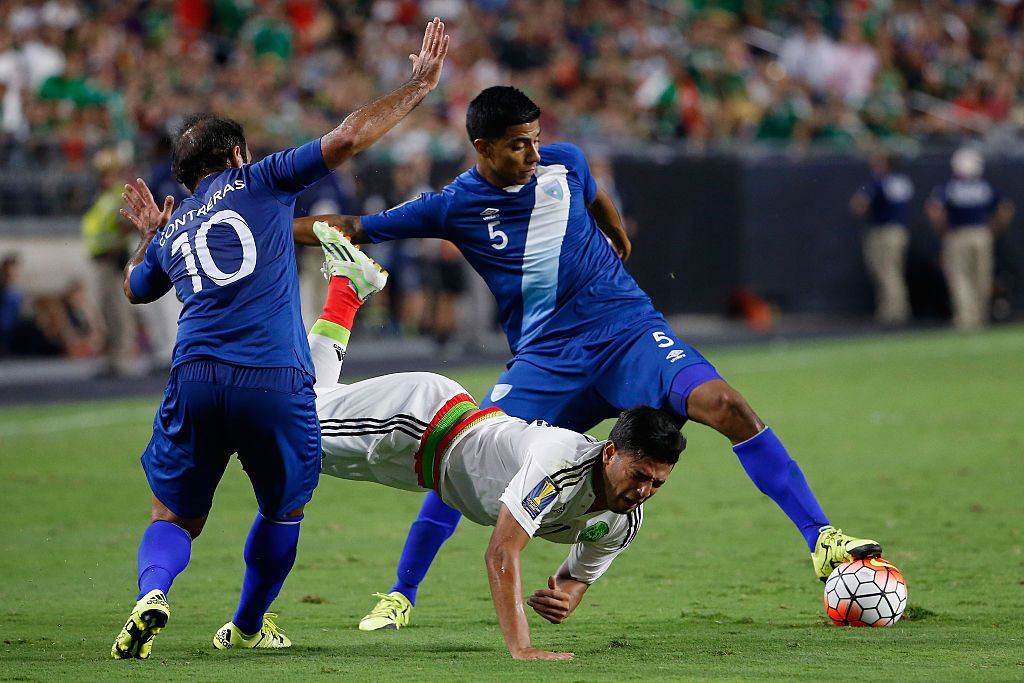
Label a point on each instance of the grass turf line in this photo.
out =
(915, 440)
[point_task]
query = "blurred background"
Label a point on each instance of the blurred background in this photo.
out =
(785, 167)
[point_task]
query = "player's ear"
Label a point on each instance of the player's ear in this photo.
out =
(238, 156)
(608, 453)
(482, 147)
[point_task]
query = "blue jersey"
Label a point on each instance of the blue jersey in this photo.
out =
(967, 201)
(229, 253)
(890, 197)
(549, 267)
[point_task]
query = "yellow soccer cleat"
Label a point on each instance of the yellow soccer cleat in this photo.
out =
(269, 637)
(835, 548)
(392, 612)
(344, 259)
(136, 638)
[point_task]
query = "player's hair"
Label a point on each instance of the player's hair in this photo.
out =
(202, 145)
(495, 109)
(650, 433)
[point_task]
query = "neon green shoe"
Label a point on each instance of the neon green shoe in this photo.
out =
(343, 259)
(269, 637)
(392, 612)
(147, 618)
(834, 548)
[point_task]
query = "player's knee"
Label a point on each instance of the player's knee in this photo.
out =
(193, 527)
(724, 409)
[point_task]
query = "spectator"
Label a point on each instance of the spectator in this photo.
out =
(884, 203)
(21, 334)
(11, 301)
(809, 56)
(105, 234)
(967, 212)
(404, 259)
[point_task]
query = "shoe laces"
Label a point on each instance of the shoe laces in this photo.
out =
(387, 606)
(270, 625)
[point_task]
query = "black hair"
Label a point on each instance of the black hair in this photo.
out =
(202, 145)
(495, 109)
(650, 433)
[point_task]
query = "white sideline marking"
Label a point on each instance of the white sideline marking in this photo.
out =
(67, 422)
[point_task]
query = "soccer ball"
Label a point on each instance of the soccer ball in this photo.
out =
(869, 592)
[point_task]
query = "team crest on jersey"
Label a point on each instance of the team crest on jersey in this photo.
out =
(540, 497)
(553, 190)
(500, 391)
(593, 533)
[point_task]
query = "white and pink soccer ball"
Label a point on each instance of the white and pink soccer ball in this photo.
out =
(869, 592)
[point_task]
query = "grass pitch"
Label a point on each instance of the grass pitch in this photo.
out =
(915, 440)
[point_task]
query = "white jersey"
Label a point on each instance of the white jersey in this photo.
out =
(421, 430)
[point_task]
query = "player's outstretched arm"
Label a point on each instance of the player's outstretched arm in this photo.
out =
(608, 220)
(559, 599)
(352, 226)
(366, 125)
(504, 575)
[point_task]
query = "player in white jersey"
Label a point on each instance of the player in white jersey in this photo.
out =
(420, 431)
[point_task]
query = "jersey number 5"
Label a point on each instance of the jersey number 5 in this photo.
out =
(232, 220)
(492, 230)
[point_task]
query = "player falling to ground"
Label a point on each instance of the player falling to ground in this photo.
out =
(587, 341)
(419, 431)
(242, 377)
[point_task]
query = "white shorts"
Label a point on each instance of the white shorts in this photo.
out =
(388, 429)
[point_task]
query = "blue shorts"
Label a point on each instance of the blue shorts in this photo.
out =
(579, 381)
(211, 410)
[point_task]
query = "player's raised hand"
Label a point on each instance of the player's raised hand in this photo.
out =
(141, 210)
(426, 66)
(551, 603)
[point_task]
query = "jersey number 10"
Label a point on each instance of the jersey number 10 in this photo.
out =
(232, 220)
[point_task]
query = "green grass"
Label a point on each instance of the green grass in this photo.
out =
(916, 440)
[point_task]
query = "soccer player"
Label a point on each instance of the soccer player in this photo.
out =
(587, 341)
(419, 431)
(241, 377)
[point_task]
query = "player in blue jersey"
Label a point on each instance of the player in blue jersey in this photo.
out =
(885, 204)
(967, 212)
(587, 341)
(241, 377)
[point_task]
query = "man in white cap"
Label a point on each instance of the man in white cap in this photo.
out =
(967, 212)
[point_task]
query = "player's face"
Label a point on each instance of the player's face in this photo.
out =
(629, 480)
(512, 158)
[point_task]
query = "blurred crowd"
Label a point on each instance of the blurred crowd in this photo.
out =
(81, 80)
(75, 74)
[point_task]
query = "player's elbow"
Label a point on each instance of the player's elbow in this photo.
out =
(127, 287)
(340, 145)
(499, 560)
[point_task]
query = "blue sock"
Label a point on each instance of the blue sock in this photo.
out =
(435, 524)
(779, 477)
(164, 552)
(269, 556)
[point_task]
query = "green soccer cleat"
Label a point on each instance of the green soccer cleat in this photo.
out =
(269, 637)
(136, 638)
(392, 612)
(343, 259)
(835, 548)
